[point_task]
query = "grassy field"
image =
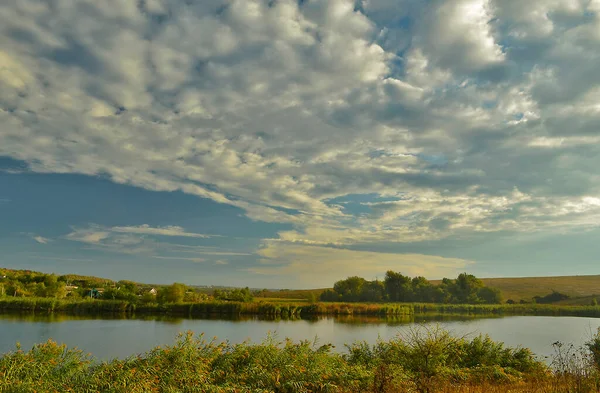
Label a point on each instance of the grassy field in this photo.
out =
(421, 361)
(528, 287)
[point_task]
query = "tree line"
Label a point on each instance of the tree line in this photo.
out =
(396, 287)
(27, 283)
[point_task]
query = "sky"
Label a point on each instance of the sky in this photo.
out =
(290, 144)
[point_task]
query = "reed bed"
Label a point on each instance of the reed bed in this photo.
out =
(285, 309)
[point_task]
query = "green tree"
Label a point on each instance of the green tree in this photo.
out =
(489, 295)
(465, 289)
(373, 291)
(350, 289)
(174, 293)
(397, 286)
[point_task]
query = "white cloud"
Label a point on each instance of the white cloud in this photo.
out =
(144, 240)
(480, 116)
(41, 239)
(159, 231)
(93, 235)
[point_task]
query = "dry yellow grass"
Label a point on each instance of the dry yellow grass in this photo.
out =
(527, 287)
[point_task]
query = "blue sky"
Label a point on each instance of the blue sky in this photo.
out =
(288, 144)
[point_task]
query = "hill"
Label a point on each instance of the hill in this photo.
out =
(517, 288)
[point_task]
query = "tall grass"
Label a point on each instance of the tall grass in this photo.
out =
(422, 361)
(285, 309)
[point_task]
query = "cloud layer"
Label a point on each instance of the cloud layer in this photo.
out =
(460, 116)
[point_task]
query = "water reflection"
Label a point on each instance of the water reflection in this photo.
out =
(346, 319)
(122, 336)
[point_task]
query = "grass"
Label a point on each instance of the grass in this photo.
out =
(422, 361)
(284, 308)
(526, 288)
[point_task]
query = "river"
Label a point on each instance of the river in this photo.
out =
(110, 338)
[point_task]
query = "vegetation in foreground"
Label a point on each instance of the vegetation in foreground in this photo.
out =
(424, 360)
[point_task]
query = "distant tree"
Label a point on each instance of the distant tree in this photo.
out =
(489, 295)
(194, 297)
(552, 297)
(128, 286)
(235, 295)
(174, 293)
(397, 287)
(350, 289)
(373, 291)
(330, 296)
(465, 288)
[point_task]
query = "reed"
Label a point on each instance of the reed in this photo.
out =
(285, 309)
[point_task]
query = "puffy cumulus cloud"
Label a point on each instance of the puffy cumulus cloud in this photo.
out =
(458, 35)
(318, 267)
(470, 115)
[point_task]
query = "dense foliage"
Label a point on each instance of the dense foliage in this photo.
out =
(26, 283)
(236, 295)
(196, 365)
(424, 360)
(465, 289)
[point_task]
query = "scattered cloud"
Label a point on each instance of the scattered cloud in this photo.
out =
(159, 231)
(37, 238)
(41, 239)
(475, 116)
(180, 258)
(143, 240)
(95, 234)
(221, 262)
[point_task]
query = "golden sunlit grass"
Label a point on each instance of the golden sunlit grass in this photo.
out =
(528, 287)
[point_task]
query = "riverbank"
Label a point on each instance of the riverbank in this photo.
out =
(284, 309)
(423, 360)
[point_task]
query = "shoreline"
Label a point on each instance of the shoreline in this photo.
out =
(285, 309)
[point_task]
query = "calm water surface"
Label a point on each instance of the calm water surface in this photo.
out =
(109, 338)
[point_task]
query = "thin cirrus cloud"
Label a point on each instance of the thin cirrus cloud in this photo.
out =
(159, 231)
(143, 239)
(95, 234)
(180, 258)
(464, 116)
